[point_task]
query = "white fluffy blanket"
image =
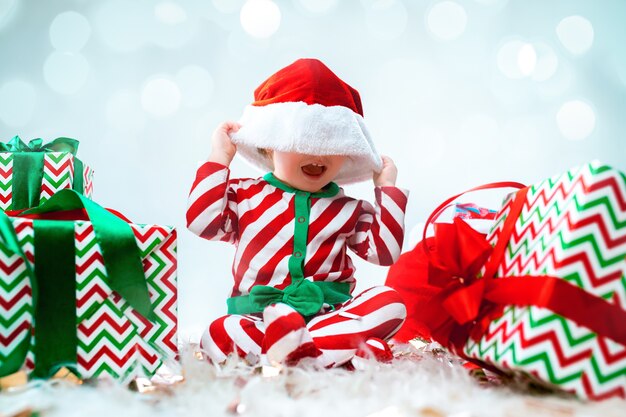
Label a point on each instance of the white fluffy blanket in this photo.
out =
(417, 383)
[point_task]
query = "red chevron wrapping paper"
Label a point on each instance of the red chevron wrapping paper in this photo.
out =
(572, 226)
(113, 339)
(58, 174)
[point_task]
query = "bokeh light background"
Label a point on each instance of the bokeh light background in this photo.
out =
(458, 92)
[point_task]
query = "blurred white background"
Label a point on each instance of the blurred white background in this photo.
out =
(458, 92)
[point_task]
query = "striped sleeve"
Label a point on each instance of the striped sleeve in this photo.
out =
(212, 204)
(379, 231)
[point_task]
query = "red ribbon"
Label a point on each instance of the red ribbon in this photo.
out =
(466, 303)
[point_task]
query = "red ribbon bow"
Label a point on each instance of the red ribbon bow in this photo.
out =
(456, 255)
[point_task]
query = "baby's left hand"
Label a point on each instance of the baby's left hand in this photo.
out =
(387, 176)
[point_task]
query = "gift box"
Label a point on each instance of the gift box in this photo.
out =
(31, 173)
(95, 296)
(572, 227)
(544, 295)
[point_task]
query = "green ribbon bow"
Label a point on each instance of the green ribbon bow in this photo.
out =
(28, 167)
(53, 279)
(306, 297)
(61, 144)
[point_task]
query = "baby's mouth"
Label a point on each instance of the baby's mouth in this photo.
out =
(314, 170)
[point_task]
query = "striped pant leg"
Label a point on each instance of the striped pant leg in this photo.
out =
(239, 334)
(376, 312)
(287, 339)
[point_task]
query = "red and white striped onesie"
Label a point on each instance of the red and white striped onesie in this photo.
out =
(292, 249)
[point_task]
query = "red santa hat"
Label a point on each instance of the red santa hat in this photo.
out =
(306, 108)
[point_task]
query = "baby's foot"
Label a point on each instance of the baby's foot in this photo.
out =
(287, 340)
(375, 348)
(372, 349)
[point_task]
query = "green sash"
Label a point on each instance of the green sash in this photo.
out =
(306, 297)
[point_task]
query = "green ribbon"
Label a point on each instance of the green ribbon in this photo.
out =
(116, 239)
(28, 167)
(53, 280)
(55, 308)
(61, 144)
(306, 297)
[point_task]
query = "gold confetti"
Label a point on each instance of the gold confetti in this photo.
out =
(67, 375)
(20, 379)
(431, 412)
(142, 385)
(269, 371)
(167, 377)
(14, 380)
(417, 343)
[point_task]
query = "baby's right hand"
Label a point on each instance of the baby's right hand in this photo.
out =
(223, 149)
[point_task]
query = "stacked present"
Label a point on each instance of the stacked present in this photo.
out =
(544, 294)
(31, 173)
(80, 287)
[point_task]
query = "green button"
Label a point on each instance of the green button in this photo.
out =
(301, 219)
(297, 254)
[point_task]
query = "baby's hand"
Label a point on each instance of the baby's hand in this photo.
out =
(223, 150)
(387, 176)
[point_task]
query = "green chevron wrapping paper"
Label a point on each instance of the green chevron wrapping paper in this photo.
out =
(572, 226)
(113, 339)
(58, 174)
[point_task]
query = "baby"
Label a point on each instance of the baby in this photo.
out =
(292, 296)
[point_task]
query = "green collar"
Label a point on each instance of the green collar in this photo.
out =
(330, 190)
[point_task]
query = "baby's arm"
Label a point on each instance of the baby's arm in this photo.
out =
(379, 231)
(212, 204)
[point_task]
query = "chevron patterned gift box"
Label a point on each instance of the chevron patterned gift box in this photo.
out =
(108, 336)
(572, 227)
(31, 173)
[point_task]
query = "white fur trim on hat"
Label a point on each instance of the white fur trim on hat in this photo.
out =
(308, 129)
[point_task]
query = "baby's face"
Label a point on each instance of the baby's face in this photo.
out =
(306, 172)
